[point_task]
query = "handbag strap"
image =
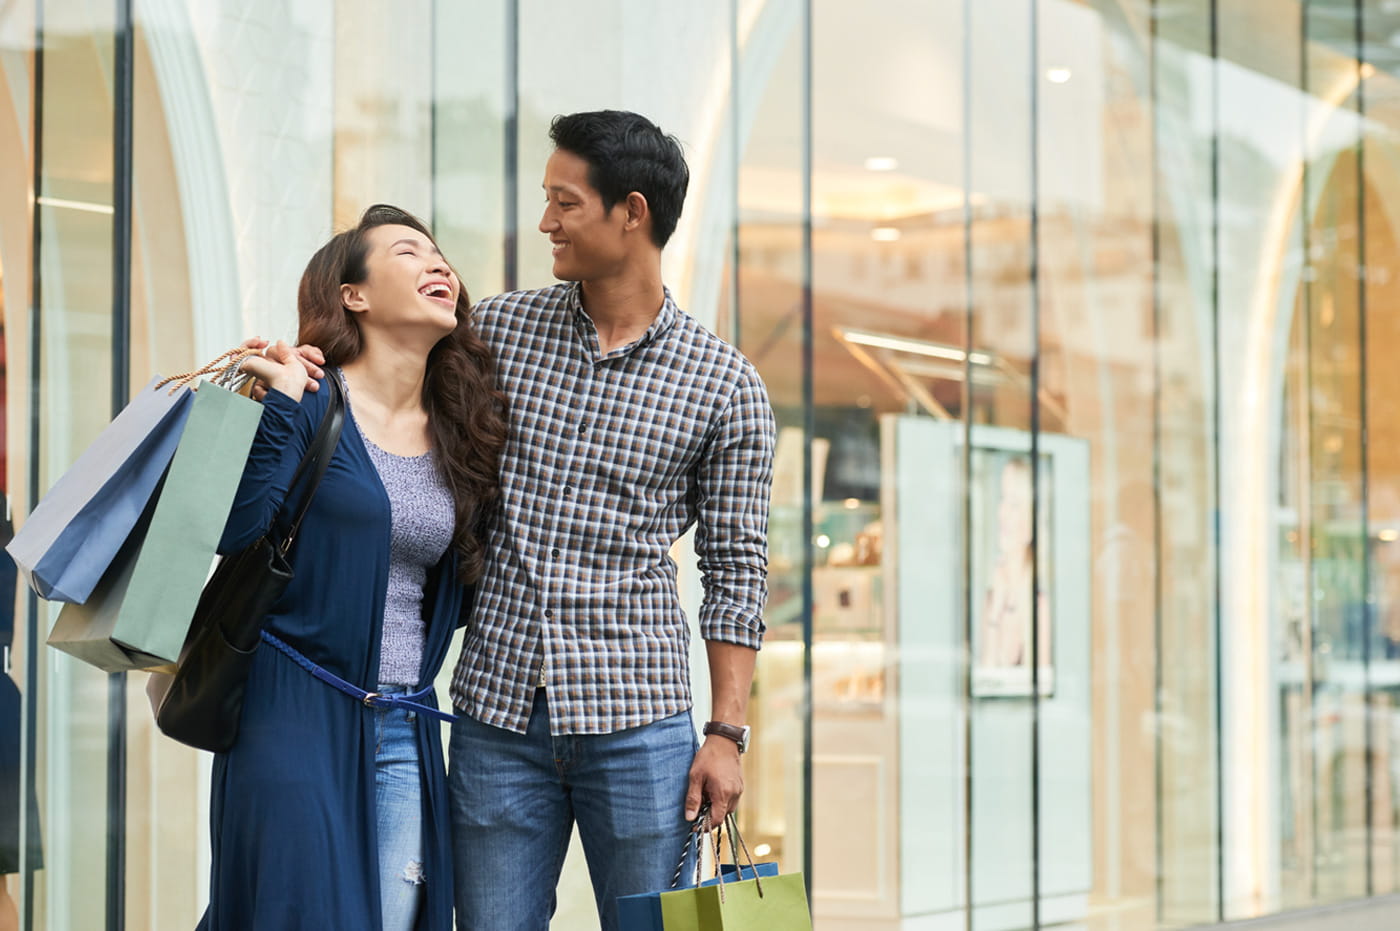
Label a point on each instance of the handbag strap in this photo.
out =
(318, 455)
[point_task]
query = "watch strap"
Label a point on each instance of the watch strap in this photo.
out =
(733, 731)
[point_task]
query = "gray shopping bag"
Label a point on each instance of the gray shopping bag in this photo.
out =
(140, 613)
(74, 533)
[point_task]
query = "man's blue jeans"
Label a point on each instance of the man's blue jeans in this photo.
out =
(515, 798)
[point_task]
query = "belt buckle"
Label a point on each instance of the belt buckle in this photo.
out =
(370, 698)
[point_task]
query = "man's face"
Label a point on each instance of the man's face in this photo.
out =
(589, 241)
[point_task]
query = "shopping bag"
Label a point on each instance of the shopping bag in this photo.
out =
(74, 533)
(140, 613)
(642, 912)
(775, 903)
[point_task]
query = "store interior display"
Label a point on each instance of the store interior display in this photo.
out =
(888, 681)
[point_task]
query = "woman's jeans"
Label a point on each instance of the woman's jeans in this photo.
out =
(515, 798)
(398, 797)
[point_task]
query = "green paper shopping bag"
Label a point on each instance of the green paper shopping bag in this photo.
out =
(743, 896)
(140, 613)
(774, 903)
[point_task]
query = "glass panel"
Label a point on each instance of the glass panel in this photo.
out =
(470, 108)
(1380, 105)
(19, 856)
(1001, 580)
(1184, 382)
(767, 324)
(1098, 394)
(383, 107)
(75, 212)
(887, 293)
(1339, 733)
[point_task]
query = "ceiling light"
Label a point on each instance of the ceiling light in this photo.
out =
(1367, 69)
(915, 346)
(881, 163)
(1388, 535)
(1058, 75)
(83, 205)
(885, 234)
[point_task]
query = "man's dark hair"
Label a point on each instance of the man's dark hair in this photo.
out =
(627, 152)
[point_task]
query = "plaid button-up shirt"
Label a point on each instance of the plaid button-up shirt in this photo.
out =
(610, 459)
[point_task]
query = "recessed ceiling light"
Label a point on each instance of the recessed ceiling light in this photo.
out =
(881, 163)
(885, 234)
(1367, 69)
(1058, 75)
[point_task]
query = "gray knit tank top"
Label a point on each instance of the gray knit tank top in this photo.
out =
(421, 525)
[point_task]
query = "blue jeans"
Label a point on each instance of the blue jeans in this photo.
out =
(515, 798)
(399, 814)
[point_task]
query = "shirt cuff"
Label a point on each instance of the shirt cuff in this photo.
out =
(731, 624)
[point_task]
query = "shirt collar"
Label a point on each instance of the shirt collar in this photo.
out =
(665, 318)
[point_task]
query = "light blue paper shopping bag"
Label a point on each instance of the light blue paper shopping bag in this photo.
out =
(76, 530)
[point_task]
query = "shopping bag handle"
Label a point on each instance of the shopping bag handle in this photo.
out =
(221, 366)
(736, 844)
(702, 827)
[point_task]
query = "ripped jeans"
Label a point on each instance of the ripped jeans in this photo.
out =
(398, 797)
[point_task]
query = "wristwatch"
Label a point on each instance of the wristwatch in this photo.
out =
(740, 735)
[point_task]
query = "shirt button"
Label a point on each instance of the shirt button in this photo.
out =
(554, 553)
(583, 428)
(548, 613)
(568, 489)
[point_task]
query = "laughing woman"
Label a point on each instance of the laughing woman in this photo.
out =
(330, 812)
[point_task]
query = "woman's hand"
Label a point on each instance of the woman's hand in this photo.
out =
(281, 367)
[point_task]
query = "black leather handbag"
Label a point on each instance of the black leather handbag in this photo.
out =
(204, 700)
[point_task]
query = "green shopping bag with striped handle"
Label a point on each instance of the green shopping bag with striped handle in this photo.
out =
(755, 903)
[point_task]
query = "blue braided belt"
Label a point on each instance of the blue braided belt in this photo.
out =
(410, 701)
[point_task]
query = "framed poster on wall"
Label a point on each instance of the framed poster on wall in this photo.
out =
(1012, 575)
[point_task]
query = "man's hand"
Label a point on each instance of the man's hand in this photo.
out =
(717, 776)
(311, 360)
(280, 367)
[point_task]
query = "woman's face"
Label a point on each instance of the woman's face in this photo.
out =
(408, 284)
(1014, 510)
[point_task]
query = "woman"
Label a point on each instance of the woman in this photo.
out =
(328, 813)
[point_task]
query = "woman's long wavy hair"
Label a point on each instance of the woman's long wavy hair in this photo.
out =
(466, 412)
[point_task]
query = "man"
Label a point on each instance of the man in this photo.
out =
(629, 423)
